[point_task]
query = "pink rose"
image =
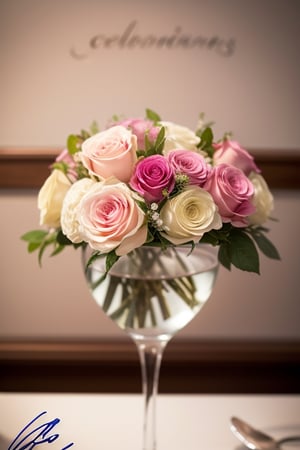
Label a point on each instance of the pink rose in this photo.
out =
(152, 178)
(230, 152)
(109, 218)
(110, 153)
(232, 191)
(140, 128)
(191, 164)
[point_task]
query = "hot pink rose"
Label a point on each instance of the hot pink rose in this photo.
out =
(232, 191)
(140, 128)
(110, 218)
(110, 153)
(153, 176)
(191, 164)
(230, 152)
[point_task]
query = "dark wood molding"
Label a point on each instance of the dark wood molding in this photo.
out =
(210, 367)
(25, 168)
(28, 168)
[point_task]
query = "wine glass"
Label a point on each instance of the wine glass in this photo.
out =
(151, 294)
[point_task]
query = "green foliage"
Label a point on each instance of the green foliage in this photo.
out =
(206, 141)
(264, 244)
(152, 115)
(61, 165)
(41, 240)
(94, 127)
(240, 251)
(155, 148)
(239, 246)
(111, 259)
(73, 143)
(34, 239)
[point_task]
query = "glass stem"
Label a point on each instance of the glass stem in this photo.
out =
(150, 354)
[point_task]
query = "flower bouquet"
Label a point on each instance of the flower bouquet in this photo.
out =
(151, 182)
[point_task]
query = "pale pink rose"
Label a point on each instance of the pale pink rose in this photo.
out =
(140, 128)
(230, 152)
(109, 216)
(232, 191)
(153, 178)
(110, 153)
(188, 215)
(191, 164)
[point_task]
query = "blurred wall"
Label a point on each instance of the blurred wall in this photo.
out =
(67, 63)
(235, 60)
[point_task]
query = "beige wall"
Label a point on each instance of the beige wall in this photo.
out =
(54, 301)
(47, 94)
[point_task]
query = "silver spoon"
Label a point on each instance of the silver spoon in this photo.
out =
(255, 439)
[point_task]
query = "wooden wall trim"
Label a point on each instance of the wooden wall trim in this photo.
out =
(29, 168)
(189, 366)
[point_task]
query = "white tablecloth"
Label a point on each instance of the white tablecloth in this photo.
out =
(114, 422)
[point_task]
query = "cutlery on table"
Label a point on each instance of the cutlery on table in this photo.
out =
(256, 439)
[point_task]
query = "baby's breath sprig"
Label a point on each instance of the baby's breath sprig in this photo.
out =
(154, 217)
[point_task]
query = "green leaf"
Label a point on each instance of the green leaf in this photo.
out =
(142, 205)
(62, 239)
(93, 257)
(61, 165)
(41, 251)
(83, 136)
(140, 153)
(94, 127)
(58, 249)
(224, 255)
(206, 141)
(243, 252)
(160, 141)
(111, 259)
(73, 144)
(152, 115)
(147, 143)
(210, 238)
(32, 246)
(265, 245)
(34, 236)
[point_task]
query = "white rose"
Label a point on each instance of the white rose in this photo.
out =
(180, 137)
(262, 200)
(50, 198)
(189, 215)
(69, 213)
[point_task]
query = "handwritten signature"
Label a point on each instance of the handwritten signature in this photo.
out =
(30, 437)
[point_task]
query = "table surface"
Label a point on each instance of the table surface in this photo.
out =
(108, 422)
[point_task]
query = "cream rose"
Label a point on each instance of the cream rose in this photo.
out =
(69, 212)
(110, 153)
(178, 136)
(110, 218)
(262, 200)
(189, 215)
(50, 198)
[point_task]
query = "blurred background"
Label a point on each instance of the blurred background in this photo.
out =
(67, 63)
